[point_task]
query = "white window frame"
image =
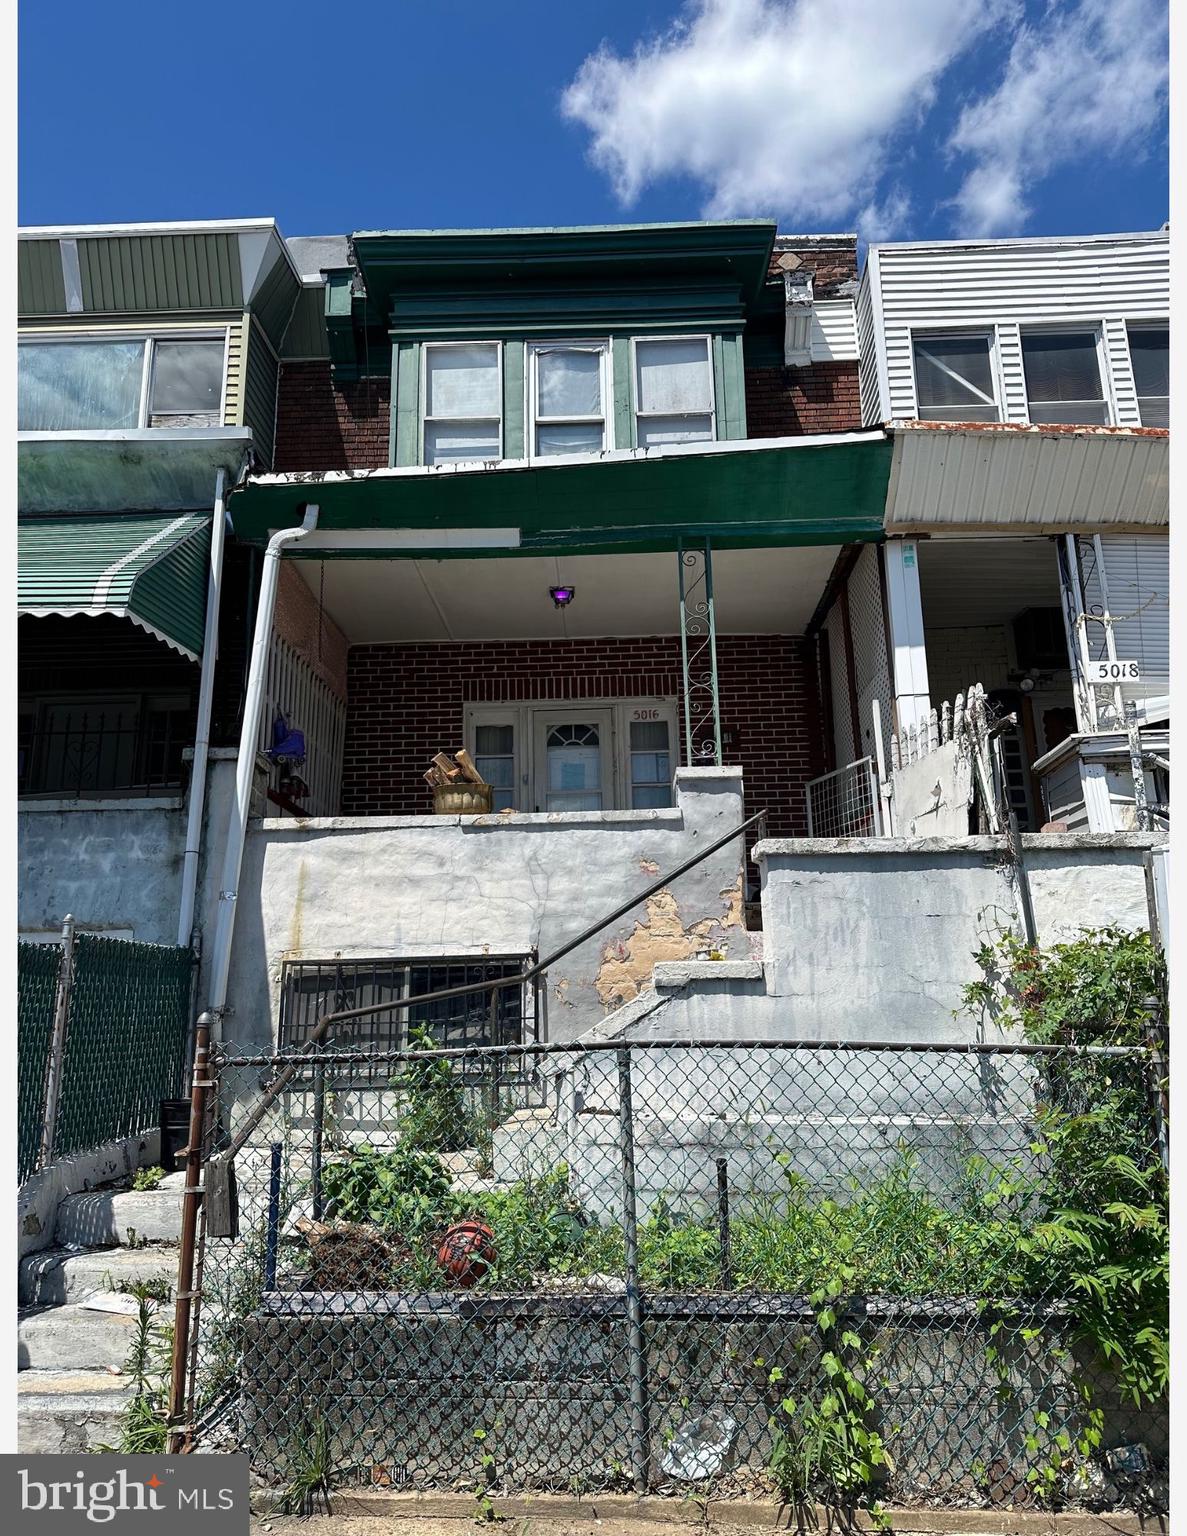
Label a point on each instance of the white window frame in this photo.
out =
(531, 764)
(963, 333)
(531, 395)
(147, 339)
(426, 419)
(1144, 325)
(1093, 328)
(637, 415)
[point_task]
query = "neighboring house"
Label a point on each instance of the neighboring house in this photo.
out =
(147, 367)
(1026, 384)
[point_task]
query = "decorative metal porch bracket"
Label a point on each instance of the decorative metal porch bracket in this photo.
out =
(698, 655)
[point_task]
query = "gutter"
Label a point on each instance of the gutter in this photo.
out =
(253, 705)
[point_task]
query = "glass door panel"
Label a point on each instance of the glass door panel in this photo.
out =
(573, 761)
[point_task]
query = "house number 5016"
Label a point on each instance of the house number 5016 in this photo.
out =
(645, 714)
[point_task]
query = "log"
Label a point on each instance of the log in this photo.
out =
(466, 763)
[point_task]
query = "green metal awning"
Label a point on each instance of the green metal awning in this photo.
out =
(748, 494)
(152, 570)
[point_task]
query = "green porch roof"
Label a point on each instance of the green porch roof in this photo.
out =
(151, 570)
(743, 495)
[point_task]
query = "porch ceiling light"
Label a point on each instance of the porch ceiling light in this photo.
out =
(562, 596)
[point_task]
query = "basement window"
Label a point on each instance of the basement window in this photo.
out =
(462, 393)
(1149, 352)
(312, 988)
(79, 384)
(1063, 378)
(954, 378)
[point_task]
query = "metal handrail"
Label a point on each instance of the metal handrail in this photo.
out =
(318, 1034)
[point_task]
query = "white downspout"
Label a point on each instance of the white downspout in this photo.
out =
(193, 831)
(220, 960)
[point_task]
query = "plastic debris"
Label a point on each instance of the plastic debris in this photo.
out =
(700, 1448)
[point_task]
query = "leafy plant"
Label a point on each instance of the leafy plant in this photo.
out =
(143, 1424)
(147, 1178)
(403, 1190)
(432, 1114)
(308, 1489)
(825, 1443)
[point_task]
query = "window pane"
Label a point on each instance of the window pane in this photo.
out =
(569, 382)
(463, 381)
(1155, 412)
(651, 765)
(673, 376)
(1085, 413)
(650, 797)
(574, 768)
(447, 441)
(187, 378)
(1060, 366)
(581, 437)
(654, 430)
(1149, 351)
(649, 735)
(953, 378)
(79, 385)
(495, 740)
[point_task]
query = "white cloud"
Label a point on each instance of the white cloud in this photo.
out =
(1089, 81)
(784, 107)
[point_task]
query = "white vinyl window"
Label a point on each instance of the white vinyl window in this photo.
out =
(954, 378)
(568, 388)
(1149, 352)
(496, 758)
(673, 390)
(1063, 378)
(89, 383)
(462, 392)
(650, 752)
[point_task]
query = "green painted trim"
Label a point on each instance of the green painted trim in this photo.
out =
(406, 407)
(514, 399)
(736, 383)
(624, 392)
(827, 494)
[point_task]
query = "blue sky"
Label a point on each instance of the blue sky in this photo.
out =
(917, 119)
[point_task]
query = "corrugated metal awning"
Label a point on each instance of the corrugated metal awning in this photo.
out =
(152, 570)
(1017, 478)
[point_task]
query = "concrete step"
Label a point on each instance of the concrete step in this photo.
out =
(58, 1275)
(62, 1412)
(74, 1337)
(126, 1217)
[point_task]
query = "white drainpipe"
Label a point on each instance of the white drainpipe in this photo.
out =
(193, 831)
(220, 960)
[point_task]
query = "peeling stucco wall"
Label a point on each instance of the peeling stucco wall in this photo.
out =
(428, 886)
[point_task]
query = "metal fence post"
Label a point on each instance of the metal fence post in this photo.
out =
(637, 1363)
(190, 1199)
(1158, 1074)
(57, 1047)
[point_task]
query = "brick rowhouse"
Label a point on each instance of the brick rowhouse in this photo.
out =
(406, 702)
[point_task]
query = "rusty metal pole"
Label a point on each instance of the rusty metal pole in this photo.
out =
(189, 1227)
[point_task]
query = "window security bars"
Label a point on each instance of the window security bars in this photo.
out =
(76, 752)
(845, 803)
(605, 1260)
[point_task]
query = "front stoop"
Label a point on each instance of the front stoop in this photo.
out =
(62, 1412)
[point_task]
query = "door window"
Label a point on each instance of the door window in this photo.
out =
(573, 770)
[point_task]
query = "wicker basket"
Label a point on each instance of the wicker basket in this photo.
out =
(462, 799)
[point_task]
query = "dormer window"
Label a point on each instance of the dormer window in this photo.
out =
(673, 390)
(569, 387)
(78, 384)
(954, 378)
(463, 394)
(1063, 378)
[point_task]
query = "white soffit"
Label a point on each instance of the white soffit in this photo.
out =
(760, 591)
(1026, 478)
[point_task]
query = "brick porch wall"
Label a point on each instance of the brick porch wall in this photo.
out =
(406, 702)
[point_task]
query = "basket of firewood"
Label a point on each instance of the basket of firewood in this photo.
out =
(458, 788)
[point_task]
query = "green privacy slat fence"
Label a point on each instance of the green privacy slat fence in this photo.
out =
(127, 1034)
(37, 984)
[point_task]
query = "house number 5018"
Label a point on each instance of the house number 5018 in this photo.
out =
(1114, 672)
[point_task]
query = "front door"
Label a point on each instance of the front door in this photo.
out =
(574, 760)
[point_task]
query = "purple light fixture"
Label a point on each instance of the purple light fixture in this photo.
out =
(562, 596)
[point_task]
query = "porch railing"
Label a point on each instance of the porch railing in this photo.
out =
(845, 803)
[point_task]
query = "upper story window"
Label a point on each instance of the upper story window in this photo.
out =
(568, 387)
(673, 390)
(463, 401)
(94, 383)
(954, 378)
(1149, 352)
(1063, 377)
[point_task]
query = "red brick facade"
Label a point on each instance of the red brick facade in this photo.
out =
(326, 423)
(784, 402)
(406, 703)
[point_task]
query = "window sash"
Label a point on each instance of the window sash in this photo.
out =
(140, 351)
(1149, 356)
(1054, 393)
(432, 422)
(661, 420)
(553, 423)
(946, 388)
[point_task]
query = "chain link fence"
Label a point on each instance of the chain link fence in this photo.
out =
(125, 1044)
(819, 1270)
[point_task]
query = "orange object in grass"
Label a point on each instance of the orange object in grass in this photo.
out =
(467, 1251)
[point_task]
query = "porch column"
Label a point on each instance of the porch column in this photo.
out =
(908, 655)
(698, 655)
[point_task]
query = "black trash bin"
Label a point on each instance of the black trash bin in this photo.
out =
(175, 1133)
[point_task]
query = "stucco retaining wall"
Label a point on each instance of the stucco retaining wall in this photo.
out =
(425, 886)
